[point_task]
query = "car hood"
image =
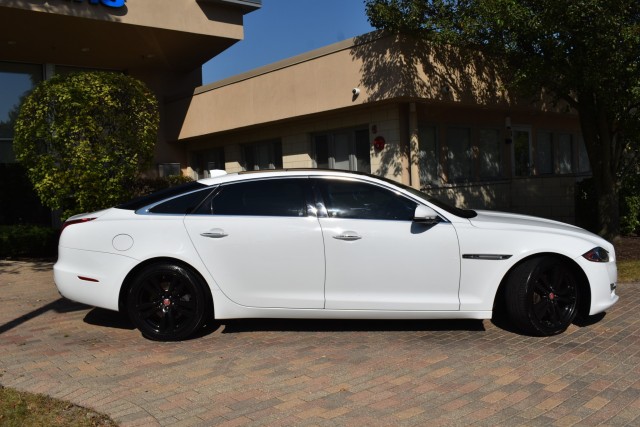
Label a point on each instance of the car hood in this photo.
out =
(509, 221)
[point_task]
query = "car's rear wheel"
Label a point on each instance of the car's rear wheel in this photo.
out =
(167, 302)
(542, 296)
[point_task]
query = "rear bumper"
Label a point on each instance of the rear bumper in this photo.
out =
(92, 278)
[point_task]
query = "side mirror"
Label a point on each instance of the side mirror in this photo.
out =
(425, 215)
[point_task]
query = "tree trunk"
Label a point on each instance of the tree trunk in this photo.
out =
(599, 139)
(608, 207)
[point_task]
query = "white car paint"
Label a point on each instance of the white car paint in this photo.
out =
(264, 262)
(394, 265)
(295, 267)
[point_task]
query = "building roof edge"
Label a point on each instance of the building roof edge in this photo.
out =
(294, 60)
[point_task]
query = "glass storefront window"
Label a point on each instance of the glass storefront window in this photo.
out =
(428, 156)
(345, 149)
(565, 153)
(583, 157)
(521, 152)
(544, 149)
(490, 154)
(16, 81)
(459, 155)
(262, 155)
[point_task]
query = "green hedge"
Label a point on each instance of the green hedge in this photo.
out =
(28, 241)
(586, 205)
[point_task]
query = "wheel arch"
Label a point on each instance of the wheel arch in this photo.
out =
(584, 288)
(128, 280)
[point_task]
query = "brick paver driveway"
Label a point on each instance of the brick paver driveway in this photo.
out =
(259, 372)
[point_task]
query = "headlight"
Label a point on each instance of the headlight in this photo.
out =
(597, 255)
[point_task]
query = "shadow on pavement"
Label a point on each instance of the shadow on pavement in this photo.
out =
(502, 321)
(332, 325)
(590, 320)
(108, 319)
(60, 305)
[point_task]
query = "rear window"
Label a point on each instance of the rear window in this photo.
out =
(183, 204)
(158, 196)
(269, 197)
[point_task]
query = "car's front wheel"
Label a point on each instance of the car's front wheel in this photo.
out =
(167, 302)
(542, 296)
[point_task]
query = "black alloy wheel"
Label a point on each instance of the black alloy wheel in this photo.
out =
(542, 296)
(167, 302)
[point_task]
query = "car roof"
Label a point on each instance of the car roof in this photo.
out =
(267, 173)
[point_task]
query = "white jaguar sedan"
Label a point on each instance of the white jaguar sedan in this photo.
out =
(327, 244)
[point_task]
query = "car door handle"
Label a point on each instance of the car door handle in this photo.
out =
(216, 233)
(348, 236)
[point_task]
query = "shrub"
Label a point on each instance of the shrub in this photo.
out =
(145, 186)
(586, 205)
(630, 205)
(84, 137)
(27, 241)
(630, 215)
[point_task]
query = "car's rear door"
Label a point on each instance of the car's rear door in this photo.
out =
(261, 243)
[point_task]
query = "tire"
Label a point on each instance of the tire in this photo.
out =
(542, 296)
(167, 302)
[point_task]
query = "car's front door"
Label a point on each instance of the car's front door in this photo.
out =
(260, 243)
(377, 258)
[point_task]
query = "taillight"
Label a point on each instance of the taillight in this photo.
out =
(75, 221)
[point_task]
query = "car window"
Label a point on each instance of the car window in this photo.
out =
(361, 200)
(272, 197)
(182, 204)
(158, 196)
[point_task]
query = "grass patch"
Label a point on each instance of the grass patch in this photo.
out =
(26, 409)
(629, 271)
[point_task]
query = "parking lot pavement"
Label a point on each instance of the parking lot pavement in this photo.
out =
(271, 372)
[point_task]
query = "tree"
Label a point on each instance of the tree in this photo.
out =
(583, 52)
(85, 137)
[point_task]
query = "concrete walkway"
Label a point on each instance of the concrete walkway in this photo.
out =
(326, 373)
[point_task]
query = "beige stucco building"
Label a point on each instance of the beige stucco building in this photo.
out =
(431, 118)
(447, 123)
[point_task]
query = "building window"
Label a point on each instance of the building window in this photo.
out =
(521, 143)
(428, 156)
(262, 155)
(16, 82)
(459, 154)
(544, 151)
(565, 153)
(204, 161)
(169, 169)
(347, 150)
(583, 157)
(470, 155)
(489, 154)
